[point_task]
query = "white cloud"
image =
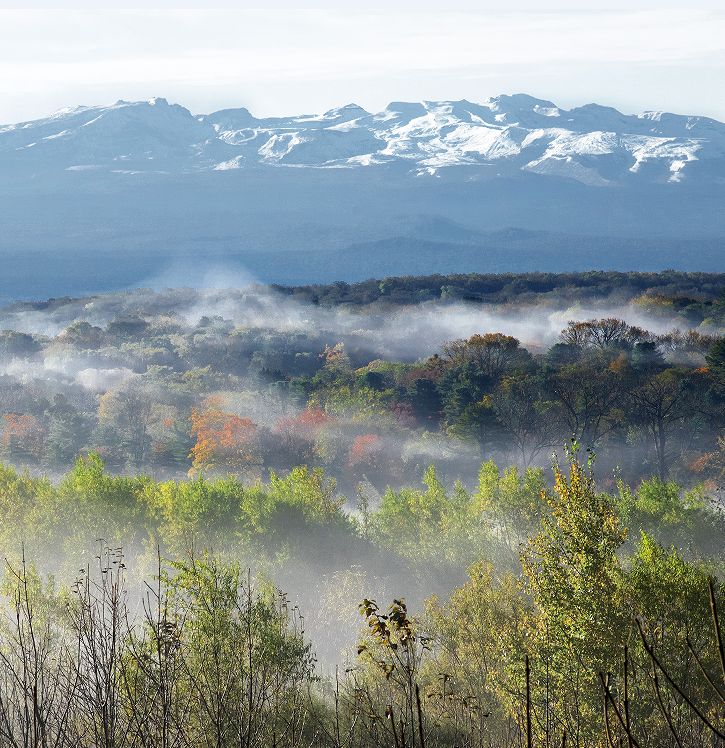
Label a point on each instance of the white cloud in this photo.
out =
(288, 60)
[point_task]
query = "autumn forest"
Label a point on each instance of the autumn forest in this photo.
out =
(425, 511)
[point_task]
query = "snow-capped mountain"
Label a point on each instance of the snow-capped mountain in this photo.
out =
(593, 144)
(148, 194)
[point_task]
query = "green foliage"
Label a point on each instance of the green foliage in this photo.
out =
(571, 611)
(24, 587)
(462, 386)
(716, 363)
(89, 488)
(425, 398)
(516, 503)
(68, 431)
(480, 634)
(669, 596)
(309, 492)
(572, 573)
(31, 513)
(211, 662)
(561, 355)
(301, 510)
(645, 354)
(355, 402)
(673, 516)
(224, 514)
(478, 424)
(668, 592)
(14, 344)
(22, 498)
(243, 662)
(83, 335)
(571, 565)
(197, 512)
(431, 527)
(716, 356)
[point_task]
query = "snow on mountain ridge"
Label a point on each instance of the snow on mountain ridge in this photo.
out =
(593, 144)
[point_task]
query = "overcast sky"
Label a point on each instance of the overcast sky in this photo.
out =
(293, 61)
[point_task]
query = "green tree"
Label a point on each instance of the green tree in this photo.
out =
(246, 663)
(669, 597)
(435, 529)
(424, 396)
(572, 573)
(591, 397)
(128, 411)
(476, 666)
(461, 387)
(15, 344)
(68, 431)
(38, 678)
(663, 403)
(515, 504)
(479, 425)
(83, 335)
(646, 355)
(527, 414)
(670, 515)
(493, 354)
(716, 365)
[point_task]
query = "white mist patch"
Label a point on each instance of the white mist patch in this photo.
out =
(418, 332)
(255, 306)
(102, 380)
(190, 273)
(23, 369)
(407, 334)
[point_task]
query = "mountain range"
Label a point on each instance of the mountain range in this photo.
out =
(105, 197)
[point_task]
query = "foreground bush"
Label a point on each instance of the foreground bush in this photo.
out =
(209, 661)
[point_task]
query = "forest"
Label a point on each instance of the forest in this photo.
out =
(371, 381)
(330, 515)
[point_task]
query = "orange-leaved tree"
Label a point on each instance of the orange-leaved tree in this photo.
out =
(224, 441)
(364, 450)
(306, 424)
(22, 437)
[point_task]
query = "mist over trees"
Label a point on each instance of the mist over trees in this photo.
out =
(223, 482)
(560, 583)
(371, 381)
